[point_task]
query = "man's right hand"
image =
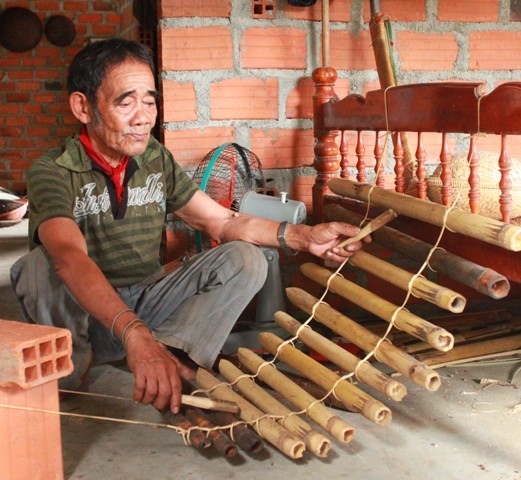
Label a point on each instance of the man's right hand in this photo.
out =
(157, 372)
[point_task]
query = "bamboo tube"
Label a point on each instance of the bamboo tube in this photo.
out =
(404, 320)
(196, 438)
(387, 353)
(342, 358)
(243, 435)
(315, 441)
(209, 404)
(473, 349)
(321, 415)
(219, 440)
(278, 436)
(476, 226)
(420, 287)
(350, 395)
(484, 280)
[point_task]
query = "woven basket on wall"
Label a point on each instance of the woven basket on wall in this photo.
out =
(490, 176)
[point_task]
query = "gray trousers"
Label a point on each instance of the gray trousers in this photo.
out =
(192, 308)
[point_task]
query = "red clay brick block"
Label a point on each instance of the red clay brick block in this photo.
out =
(399, 10)
(283, 148)
(190, 146)
(495, 50)
(244, 98)
(30, 443)
(299, 103)
(203, 48)
(194, 8)
(339, 11)
(275, 47)
(179, 102)
(301, 190)
(350, 52)
(31, 355)
(264, 9)
(469, 11)
(423, 51)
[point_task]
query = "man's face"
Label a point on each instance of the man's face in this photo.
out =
(125, 112)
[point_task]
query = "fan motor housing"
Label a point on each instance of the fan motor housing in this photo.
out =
(279, 209)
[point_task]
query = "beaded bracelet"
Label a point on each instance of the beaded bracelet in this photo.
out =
(115, 320)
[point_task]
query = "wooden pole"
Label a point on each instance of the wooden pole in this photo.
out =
(387, 353)
(278, 436)
(348, 362)
(442, 297)
(484, 280)
(350, 395)
(209, 404)
(325, 33)
(404, 320)
(333, 424)
(315, 441)
(476, 226)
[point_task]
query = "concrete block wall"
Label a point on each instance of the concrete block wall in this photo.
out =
(228, 76)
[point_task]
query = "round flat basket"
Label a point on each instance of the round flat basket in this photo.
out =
(490, 176)
(60, 30)
(20, 29)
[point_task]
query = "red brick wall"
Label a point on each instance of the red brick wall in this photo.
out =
(34, 108)
(231, 77)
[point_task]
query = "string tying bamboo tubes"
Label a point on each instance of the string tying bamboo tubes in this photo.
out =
(285, 441)
(443, 297)
(321, 415)
(476, 226)
(404, 320)
(315, 441)
(342, 358)
(350, 395)
(387, 353)
(483, 280)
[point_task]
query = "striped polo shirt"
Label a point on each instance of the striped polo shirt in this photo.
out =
(124, 241)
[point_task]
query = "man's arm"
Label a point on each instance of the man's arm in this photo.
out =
(156, 370)
(223, 225)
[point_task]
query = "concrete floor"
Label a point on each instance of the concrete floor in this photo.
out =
(462, 431)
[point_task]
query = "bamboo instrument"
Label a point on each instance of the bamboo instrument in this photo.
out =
(209, 404)
(218, 439)
(196, 438)
(443, 297)
(387, 353)
(404, 320)
(243, 435)
(350, 395)
(315, 441)
(486, 347)
(342, 358)
(483, 280)
(476, 226)
(333, 424)
(279, 437)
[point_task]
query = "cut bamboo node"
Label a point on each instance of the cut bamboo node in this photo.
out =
(425, 376)
(443, 340)
(495, 287)
(373, 409)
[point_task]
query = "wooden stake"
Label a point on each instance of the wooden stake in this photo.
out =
(387, 353)
(350, 395)
(344, 359)
(278, 436)
(476, 226)
(406, 321)
(315, 441)
(333, 424)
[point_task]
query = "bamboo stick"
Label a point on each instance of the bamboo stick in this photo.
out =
(209, 404)
(243, 435)
(484, 280)
(476, 226)
(371, 227)
(350, 395)
(218, 439)
(404, 320)
(342, 358)
(278, 436)
(315, 441)
(443, 297)
(474, 349)
(387, 353)
(321, 415)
